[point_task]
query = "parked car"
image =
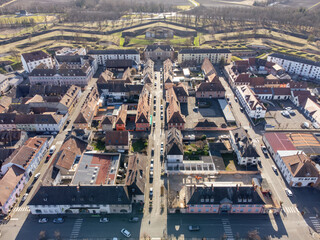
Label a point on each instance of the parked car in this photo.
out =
(125, 232)
(264, 149)
(134, 219)
(285, 113)
(151, 193)
(288, 192)
(24, 198)
(152, 161)
(161, 117)
(151, 167)
(37, 175)
(292, 112)
(47, 158)
(195, 109)
(52, 149)
(152, 152)
(274, 168)
(30, 188)
(104, 220)
(236, 99)
(161, 107)
(58, 220)
(43, 220)
(194, 228)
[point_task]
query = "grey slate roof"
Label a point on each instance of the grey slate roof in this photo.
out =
(244, 144)
(174, 142)
(295, 59)
(35, 56)
(114, 51)
(162, 47)
(74, 195)
(203, 50)
(217, 195)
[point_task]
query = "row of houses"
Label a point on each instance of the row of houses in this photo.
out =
(296, 65)
(88, 180)
(17, 169)
(51, 122)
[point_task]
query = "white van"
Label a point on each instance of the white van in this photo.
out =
(52, 149)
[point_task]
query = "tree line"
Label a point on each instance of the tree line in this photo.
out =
(283, 18)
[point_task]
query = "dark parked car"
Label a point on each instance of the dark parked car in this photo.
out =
(29, 188)
(194, 228)
(58, 220)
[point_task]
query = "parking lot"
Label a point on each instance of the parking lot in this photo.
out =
(277, 120)
(81, 227)
(212, 113)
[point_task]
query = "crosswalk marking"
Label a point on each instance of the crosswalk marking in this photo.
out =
(316, 224)
(227, 229)
(21, 209)
(76, 228)
(291, 209)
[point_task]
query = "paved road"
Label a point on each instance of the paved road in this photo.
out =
(154, 222)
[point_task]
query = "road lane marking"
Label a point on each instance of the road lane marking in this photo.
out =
(76, 228)
(21, 209)
(227, 229)
(316, 224)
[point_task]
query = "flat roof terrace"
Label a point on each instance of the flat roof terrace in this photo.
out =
(97, 169)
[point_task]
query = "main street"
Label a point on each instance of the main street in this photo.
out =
(154, 223)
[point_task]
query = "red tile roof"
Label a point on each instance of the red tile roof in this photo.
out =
(279, 141)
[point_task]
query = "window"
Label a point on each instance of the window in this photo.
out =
(199, 210)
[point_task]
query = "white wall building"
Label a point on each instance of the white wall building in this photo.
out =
(115, 54)
(11, 186)
(199, 54)
(253, 107)
(102, 199)
(33, 59)
(297, 168)
(243, 147)
(4, 84)
(294, 65)
(28, 156)
(32, 122)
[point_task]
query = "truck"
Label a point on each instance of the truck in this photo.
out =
(52, 149)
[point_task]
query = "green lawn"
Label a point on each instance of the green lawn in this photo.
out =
(99, 145)
(229, 161)
(194, 151)
(139, 145)
(196, 41)
(235, 58)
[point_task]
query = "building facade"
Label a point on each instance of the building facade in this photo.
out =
(102, 56)
(159, 52)
(297, 169)
(294, 65)
(214, 55)
(253, 107)
(33, 59)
